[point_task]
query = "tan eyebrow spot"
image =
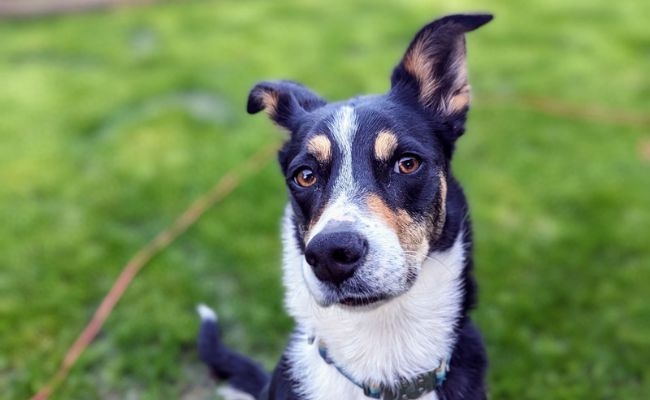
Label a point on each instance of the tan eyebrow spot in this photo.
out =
(385, 145)
(320, 147)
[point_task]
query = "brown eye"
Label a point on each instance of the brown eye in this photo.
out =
(407, 165)
(305, 178)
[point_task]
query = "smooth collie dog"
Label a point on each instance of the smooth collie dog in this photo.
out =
(377, 261)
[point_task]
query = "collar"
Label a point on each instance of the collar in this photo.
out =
(412, 388)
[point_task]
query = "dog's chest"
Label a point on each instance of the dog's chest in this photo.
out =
(322, 381)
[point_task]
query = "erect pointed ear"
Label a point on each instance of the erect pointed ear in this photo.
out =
(283, 101)
(433, 70)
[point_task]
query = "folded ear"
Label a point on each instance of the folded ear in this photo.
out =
(433, 70)
(283, 101)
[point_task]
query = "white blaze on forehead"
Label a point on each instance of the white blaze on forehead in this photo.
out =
(344, 127)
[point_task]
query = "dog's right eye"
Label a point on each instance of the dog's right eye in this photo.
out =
(305, 177)
(407, 164)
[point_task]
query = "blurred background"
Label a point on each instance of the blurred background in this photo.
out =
(114, 119)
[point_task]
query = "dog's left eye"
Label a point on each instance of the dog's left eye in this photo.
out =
(305, 177)
(407, 164)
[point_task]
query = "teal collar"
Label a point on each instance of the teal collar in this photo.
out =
(406, 389)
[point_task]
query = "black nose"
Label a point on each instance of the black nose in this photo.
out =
(334, 256)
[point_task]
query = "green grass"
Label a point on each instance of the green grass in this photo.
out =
(111, 123)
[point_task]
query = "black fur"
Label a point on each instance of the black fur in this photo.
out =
(240, 371)
(426, 126)
(293, 101)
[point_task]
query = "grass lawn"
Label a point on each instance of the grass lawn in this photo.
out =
(112, 123)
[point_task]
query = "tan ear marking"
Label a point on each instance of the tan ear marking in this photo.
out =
(459, 100)
(459, 94)
(320, 147)
(422, 62)
(270, 101)
(421, 66)
(385, 145)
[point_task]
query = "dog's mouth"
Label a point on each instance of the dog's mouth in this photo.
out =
(362, 301)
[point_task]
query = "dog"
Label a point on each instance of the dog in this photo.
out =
(377, 261)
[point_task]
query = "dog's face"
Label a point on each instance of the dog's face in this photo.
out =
(368, 177)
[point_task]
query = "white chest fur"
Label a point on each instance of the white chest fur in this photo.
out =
(322, 381)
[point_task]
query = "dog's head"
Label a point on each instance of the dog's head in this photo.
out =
(368, 177)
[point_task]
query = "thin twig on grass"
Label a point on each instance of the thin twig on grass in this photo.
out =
(222, 189)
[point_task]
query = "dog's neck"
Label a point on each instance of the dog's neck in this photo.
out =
(402, 338)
